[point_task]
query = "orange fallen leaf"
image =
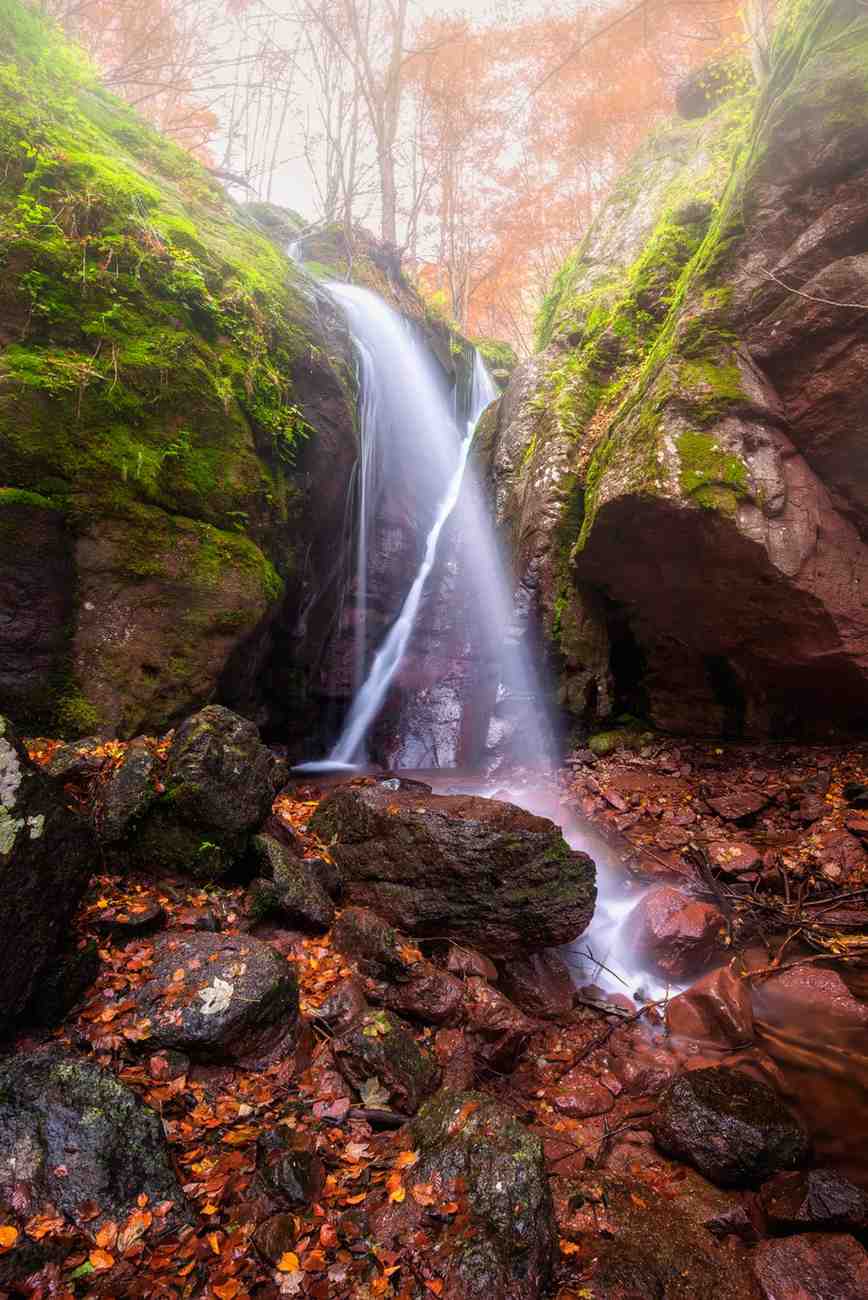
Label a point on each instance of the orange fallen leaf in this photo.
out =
(435, 1285)
(107, 1235)
(406, 1159)
(8, 1237)
(101, 1260)
(288, 1262)
(226, 1290)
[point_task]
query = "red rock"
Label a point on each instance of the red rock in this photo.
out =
(541, 985)
(812, 1266)
(809, 993)
(680, 935)
(857, 824)
(715, 1010)
(431, 995)
(672, 837)
(455, 1054)
(732, 857)
(581, 1096)
(739, 805)
(500, 1029)
(345, 1004)
(837, 854)
(467, 961)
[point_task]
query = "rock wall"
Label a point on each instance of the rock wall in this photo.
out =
(171, 401)
(680, 469)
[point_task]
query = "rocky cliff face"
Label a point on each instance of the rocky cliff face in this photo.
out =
(170, 402)
(681, 466)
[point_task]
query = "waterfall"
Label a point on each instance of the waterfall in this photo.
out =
(413, 449)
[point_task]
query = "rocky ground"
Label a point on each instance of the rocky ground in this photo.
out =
(263, 1072)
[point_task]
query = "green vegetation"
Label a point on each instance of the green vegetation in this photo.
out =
(152, 332)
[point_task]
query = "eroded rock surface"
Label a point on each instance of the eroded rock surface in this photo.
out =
(458, 866)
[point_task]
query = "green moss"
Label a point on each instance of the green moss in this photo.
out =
(709, 473)
(21, 497)
(76, 716)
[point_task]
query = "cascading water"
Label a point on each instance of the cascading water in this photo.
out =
(413, 448)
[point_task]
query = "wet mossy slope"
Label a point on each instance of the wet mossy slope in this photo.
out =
(155, 352)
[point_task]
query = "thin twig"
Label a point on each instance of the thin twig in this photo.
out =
(812, 297)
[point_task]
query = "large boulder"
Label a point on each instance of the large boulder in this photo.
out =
(220, 782)
(74, 1137)
(496, 1241)
(458, 866)
(219, 997)
(734, 1130)
(46, 856)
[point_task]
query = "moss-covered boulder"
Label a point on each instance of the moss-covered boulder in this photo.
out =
(162, 378)
(47, 853)
(74, 1139)
(496, 1241)
(682, 468)
(381, 1047)
(457, 866)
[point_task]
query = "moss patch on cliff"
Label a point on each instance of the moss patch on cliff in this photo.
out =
(151, 332)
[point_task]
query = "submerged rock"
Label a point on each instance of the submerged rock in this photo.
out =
(73, 1136)
(734, 1130)
(458, 866)
(818, 1198)
(219, 997)
(47, 854)
(716, 1010)
(474, 1152)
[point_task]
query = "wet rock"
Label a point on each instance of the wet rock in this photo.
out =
(811, 996)
(74, 1136)
(812, 1267)
(472, 1150)
(838, 855)
(328, 874)
(219, 997)
(454, 1051)
(500, 1030)
(857, 824)
(740, 806)
(284, 833)
(678, 934)
(856, 794)
(275, 1236)
(47, 854)
(467, 961)
(345, 1004)
(818, 1198)
(469, 868)
(734, 1130)
(716, 1010)
(376, 947)
(220, 773)
(540, 984)
(430, 995)
(580, 1095)
(811, 808)
(294, 1171)
(220, 783)
(380, 1047)
(732, 857)
(64, 983)
(121, 924)
(129, 793)
(79, 761)
(295, 891)
(643, 1246)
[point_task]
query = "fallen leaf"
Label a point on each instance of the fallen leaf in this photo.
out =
(101, 1260)
(216, 997)
(8, 1237)
(288, 1262)
(406, 1159)
(373, 1094)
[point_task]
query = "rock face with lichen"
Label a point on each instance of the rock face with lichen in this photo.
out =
(169, 396)
(683, 465)
(47, 853)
